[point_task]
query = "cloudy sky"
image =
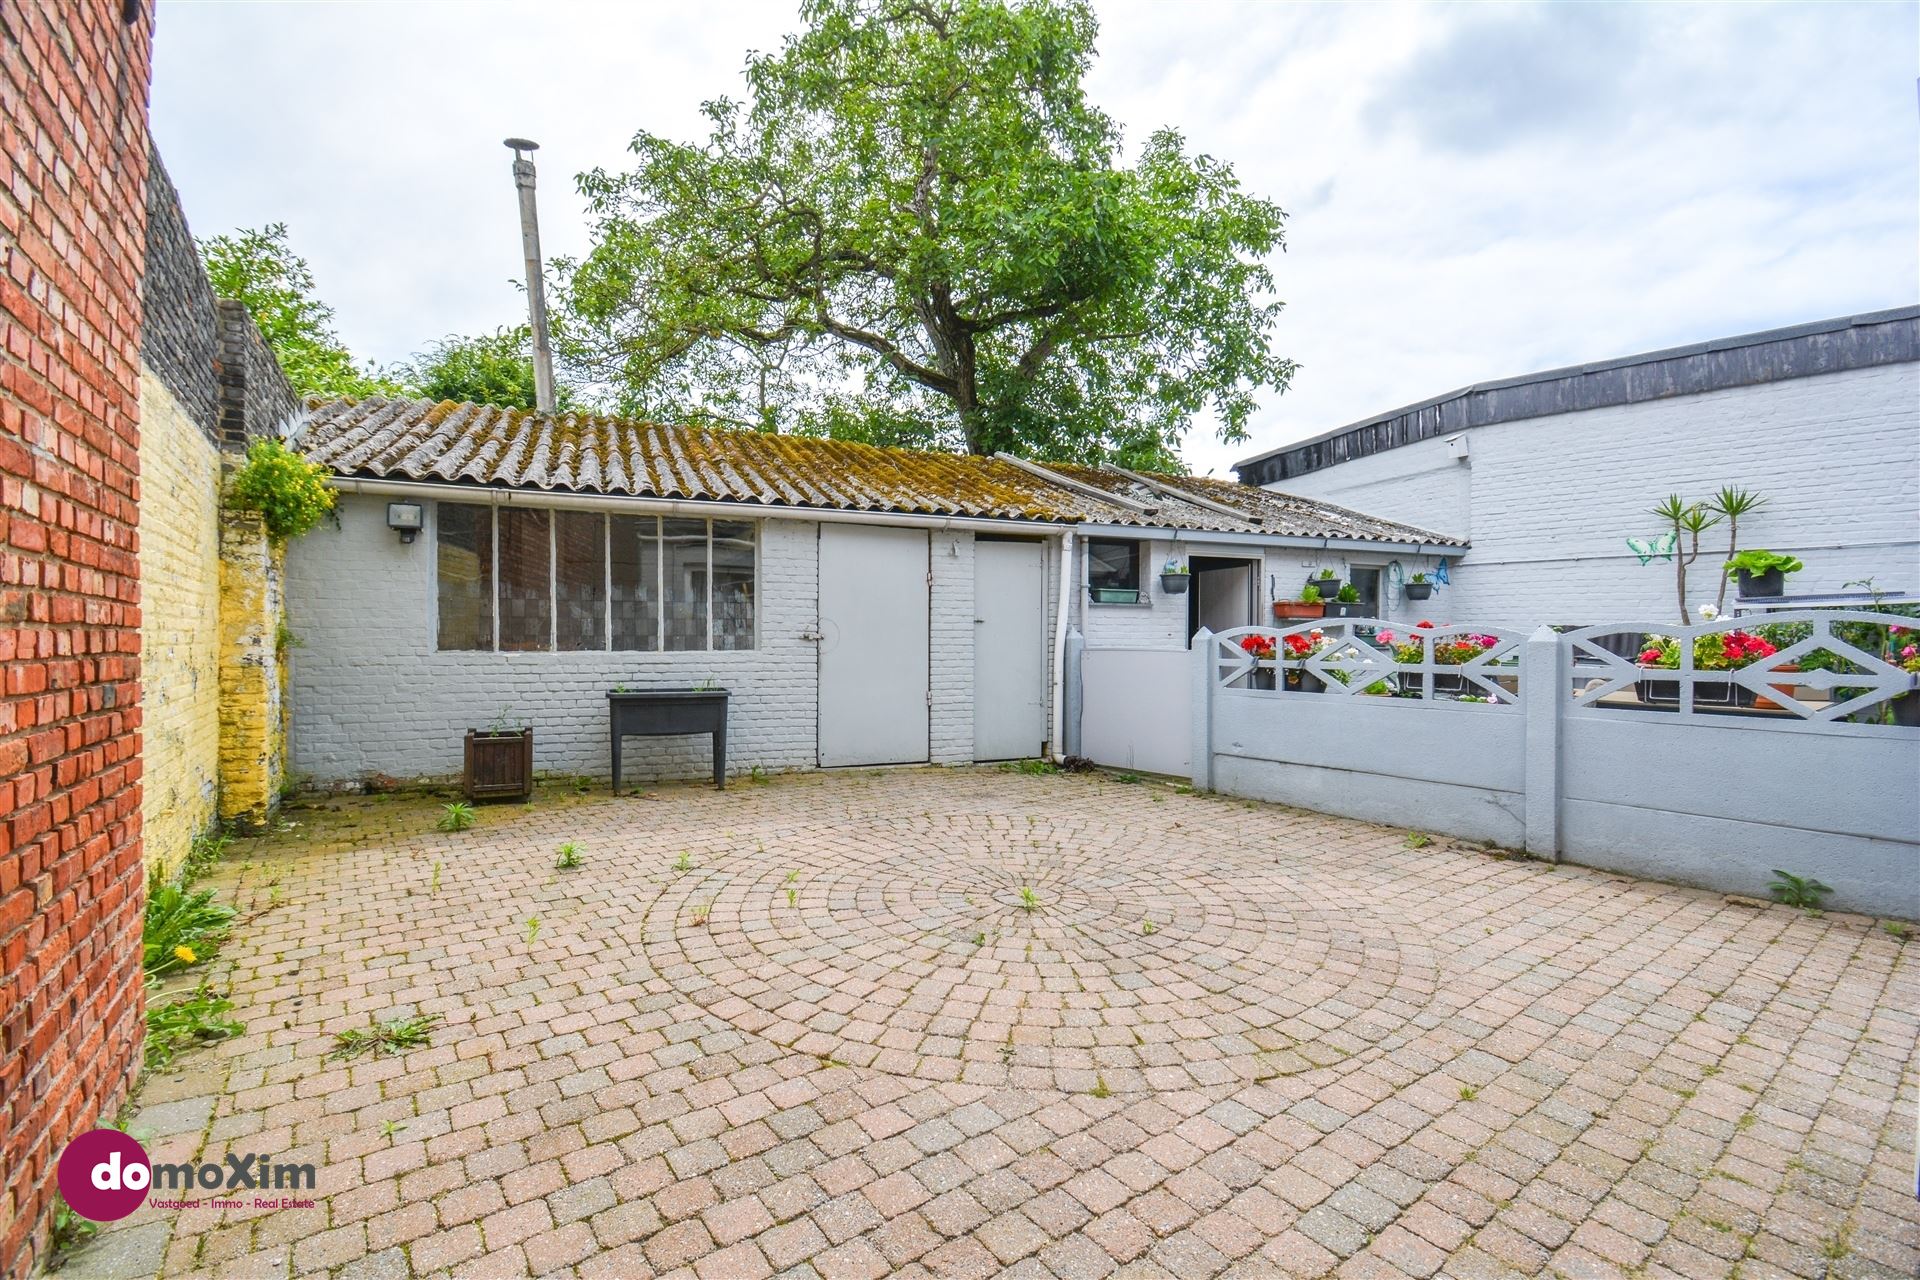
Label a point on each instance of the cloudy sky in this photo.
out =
(1474, 191)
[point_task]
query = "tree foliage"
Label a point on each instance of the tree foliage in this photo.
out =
(260, 269)
(918, 230)
(494, 368)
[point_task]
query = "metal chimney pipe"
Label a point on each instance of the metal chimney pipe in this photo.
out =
(536, 281)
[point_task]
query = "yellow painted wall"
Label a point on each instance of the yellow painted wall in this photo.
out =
(252, 727)
(179, 626)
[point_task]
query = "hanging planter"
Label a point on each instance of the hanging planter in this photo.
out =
(1418, 588)
(1328, 586)
(1174, 581)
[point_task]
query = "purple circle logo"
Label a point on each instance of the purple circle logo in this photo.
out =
(104, 1174)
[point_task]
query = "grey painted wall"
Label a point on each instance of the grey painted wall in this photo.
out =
(1715, 802)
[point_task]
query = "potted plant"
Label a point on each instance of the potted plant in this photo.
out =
(498, 761)
(1345, 602)
(1715, 651)
(1174, 578)
(1299, 648)
(1261, 649)
(1326, 582)
(1762, 573)
(1447, 651)
(1418, 588)
(1307, 606)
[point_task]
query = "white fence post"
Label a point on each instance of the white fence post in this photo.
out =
(1542, 691)
(1202, 719)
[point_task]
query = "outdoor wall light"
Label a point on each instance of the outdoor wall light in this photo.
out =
(405, 519)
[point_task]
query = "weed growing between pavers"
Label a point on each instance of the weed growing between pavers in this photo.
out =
(386, 1039)
(457, 816)
(179, 1024)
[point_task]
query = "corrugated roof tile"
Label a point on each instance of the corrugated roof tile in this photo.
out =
(580, 453)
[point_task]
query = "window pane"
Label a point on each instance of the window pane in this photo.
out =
(636, 582)
(465, 540)
(732, 584)
(526, 580)
(1113, 564)
(580, 553)
(686, 583)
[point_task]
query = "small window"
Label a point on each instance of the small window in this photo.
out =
(465, 576)
(526, 579)
(580, 579)
(1113, 571)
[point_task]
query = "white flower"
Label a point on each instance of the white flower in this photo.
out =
(1708, 613)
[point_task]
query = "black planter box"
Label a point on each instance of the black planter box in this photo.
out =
(660, 713)
(1760, 585)
(1175, 584)
(1419, 590)
(498, 766)
(1300, 680)
(1708, 691)
(1343, 609)
(1906, 709)
(1411, 685)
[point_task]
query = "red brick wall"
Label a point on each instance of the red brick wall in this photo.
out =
(73, 170)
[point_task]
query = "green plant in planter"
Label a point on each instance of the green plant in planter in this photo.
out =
(1757, 564)
(1420, 578)
(290, 493)
(1310, 595)
(1687, 520)
(1348, 594)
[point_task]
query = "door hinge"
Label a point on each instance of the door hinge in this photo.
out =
(929, 697)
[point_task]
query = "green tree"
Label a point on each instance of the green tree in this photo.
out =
(494, 368)
(919, 230)
(260, 269)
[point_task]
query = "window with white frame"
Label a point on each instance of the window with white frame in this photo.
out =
(524, 579)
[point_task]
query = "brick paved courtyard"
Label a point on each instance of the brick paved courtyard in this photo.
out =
(833, 1039)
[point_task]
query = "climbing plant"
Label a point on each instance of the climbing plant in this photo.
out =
(290, 493)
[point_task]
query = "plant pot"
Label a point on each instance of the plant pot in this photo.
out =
(1300, 680)
(1906, 709)
(1760, 585)
(1114, 595)
(1260, 678)
(1412, 685)
(1297, 610)
(1419, 590)
(1785, 689)
(1342, 609)
(498, 766)
(1175, 584)
(1708, 691)
(1325, 586)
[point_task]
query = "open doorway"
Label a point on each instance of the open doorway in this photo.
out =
(1225, 594)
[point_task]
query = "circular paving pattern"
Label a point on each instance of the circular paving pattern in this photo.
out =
(1010, 949)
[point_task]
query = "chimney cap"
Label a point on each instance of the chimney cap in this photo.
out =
(521, 144)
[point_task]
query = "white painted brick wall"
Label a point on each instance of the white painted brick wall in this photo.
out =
(1162, 622)
(371, 693)
(1551, 501)
(950, 681)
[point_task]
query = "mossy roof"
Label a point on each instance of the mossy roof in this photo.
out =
(475, 444)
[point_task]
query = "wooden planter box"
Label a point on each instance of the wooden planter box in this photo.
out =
(499, 766)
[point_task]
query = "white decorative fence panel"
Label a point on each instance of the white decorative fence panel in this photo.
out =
(1704, 755)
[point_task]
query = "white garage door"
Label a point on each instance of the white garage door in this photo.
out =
(873, 645)
(1009, 639)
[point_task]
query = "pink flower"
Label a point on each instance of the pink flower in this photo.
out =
(1911, 651)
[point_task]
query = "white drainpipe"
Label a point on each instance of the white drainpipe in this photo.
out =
(1061, 611)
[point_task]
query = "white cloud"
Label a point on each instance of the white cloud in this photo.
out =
(1475, 191)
